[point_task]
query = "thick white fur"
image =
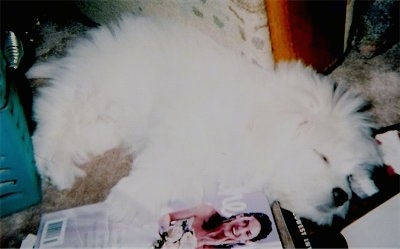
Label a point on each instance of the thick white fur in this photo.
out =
(197, 117)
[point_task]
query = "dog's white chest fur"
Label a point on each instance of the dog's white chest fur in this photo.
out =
(199, 116)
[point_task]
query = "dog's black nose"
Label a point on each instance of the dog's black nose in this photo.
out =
(339, 196)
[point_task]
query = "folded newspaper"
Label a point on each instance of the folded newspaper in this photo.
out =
(85, 226)
(89, 227)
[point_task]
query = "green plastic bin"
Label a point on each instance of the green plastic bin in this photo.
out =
(20, 185)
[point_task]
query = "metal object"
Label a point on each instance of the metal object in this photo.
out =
(13, 49)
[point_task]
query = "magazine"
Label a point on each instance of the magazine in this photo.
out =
(247, 215)
(89, 227)
(236, 220)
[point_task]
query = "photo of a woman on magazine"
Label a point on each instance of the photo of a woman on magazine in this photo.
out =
(203, 227)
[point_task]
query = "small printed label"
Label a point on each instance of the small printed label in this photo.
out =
(54, 233)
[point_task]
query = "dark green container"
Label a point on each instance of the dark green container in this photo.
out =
(20, 185)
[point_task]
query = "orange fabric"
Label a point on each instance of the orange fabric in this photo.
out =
(311, 31)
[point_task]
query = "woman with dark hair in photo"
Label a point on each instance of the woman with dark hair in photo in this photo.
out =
(204, 227)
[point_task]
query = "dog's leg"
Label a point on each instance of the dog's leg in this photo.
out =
(69, 135)
(59, 153)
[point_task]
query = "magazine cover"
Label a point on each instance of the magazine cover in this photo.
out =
(237, 220)
(223, 221)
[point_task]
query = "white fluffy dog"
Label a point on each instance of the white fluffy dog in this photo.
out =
(199, 118)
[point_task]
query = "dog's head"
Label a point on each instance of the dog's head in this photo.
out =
(329, 155)
(321, 174)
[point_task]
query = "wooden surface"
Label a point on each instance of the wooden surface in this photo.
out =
(312, 31)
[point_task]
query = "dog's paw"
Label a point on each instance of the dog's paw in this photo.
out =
(61, 176)
(66, 180)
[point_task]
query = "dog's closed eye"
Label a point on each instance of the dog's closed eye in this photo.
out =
(323, 157)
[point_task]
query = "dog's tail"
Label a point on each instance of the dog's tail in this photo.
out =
(41, 70)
